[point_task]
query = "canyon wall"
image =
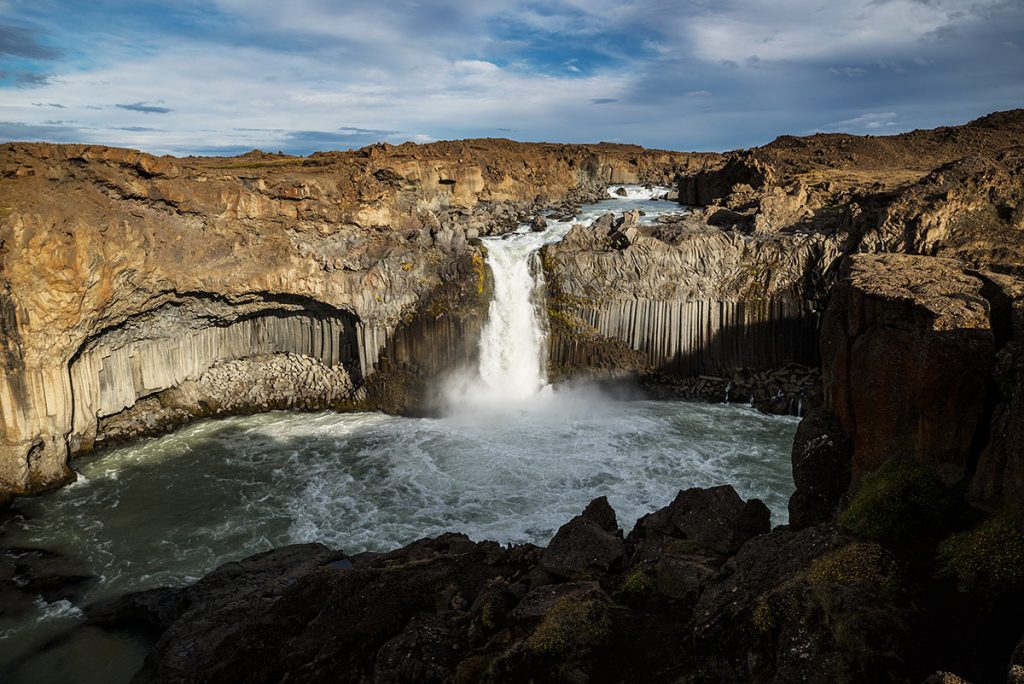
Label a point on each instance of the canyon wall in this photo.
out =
(137, 292)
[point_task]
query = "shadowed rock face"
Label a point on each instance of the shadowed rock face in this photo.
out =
(907, 359)
(921, 361)
(691, 299)
(128, 278)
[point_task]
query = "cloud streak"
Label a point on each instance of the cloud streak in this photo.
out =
(16, 41)
(145, 108)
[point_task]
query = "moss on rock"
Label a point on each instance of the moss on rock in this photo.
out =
(857, 562)
(572, 624)
(988, 559)
(899, 502)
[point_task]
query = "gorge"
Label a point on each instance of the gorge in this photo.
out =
(872, 286)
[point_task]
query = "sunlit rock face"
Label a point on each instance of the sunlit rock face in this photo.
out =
(129, 278)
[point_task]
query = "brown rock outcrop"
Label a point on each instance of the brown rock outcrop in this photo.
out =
(952, 191)
(971, 209)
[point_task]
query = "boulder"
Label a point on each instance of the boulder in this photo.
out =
(715, 517)
(585, 545)
(601, 512)
(821, 468)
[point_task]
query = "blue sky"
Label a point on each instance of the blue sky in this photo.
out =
(225, 76)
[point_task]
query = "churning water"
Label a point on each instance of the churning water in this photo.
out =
(513, 460)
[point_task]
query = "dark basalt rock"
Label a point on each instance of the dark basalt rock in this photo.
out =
(805, 606)
(717, 518)
(581, 547)
(196, 619)
(821, 468)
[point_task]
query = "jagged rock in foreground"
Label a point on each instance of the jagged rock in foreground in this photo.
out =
(701, 591)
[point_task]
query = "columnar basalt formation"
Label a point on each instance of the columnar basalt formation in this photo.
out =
(129, 278)
(691, 300)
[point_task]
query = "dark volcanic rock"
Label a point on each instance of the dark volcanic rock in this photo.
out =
(588, 543)
(999, 478)
(400, 616)
(804, 606)
(907, 356)
(601, 512)
(814, 605)
(821, 468)
(198, 618)
(717, 518)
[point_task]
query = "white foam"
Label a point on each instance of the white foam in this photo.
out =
(56, 610)
(638, 192)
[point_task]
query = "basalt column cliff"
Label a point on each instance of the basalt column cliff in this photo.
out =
(138, 292)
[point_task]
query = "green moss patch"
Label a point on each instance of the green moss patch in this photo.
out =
(988, 559)
(857, 562)
(572, 624)
(900, 502)
(638, 582)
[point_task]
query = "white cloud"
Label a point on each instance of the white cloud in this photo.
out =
(219, 99)
(781, 30)
(867, 122)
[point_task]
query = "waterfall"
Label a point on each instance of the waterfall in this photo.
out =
(513, 343)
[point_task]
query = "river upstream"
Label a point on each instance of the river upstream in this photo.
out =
(512, 460)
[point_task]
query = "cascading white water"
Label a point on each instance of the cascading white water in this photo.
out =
(511, 462)
(512, 344)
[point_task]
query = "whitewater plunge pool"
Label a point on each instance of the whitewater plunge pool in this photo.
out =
(514, 460)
